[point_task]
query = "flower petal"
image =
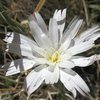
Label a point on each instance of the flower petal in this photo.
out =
(60, 18)
(85, 61)
(66, 64)
(41, 22)
(40, 37)
(51, 77)
(40, 60)
(79, 48)
(66, 44)
(80, 83)
(36, 49)
(72, 29)
(92, 37)
(12, 37)
(18, 65)
(73, 83)
(57, 15)
(53, 32)
(33, 81)
(78, 89)
(86, 35)
(32, 75)
(21, 42)
(21, 50)
(65, 80)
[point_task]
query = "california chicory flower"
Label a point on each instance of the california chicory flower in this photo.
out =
(53, 52)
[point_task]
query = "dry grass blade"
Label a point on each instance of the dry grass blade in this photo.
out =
(86, 12)
(39, 6)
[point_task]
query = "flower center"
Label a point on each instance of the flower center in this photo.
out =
(54, 57)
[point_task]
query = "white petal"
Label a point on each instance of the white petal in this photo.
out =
(57, 15)
(76, 28)
(60, 18)
(40, 60)
(72, 82)
(22, 42)
(66, 56)
(53, 32)
(66, 64)
(33, 81)
(66, 82)
(92, 37)
(37, 49)
(63, 17)
(20, 49)
(66, 44)
(79, 48)
(40, 37)
(40, 67)
(88, 34)
(72, 29)
(12, 37)
(18, 66)
(85, 61)
(51, 77)
(77, 88)
(81, 83)
(32, 75)
(41, 22)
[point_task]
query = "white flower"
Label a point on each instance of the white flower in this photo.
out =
(53, 52)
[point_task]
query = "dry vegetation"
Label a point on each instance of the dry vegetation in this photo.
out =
(13, 17)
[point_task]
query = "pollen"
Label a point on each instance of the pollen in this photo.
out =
(54, 57)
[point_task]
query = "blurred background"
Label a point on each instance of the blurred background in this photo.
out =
(13, 17)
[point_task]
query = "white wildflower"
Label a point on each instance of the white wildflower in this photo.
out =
(53, 52)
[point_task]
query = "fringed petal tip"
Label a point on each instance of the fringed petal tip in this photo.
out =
(18, 66)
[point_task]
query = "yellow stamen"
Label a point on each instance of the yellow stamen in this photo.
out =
(54, 57)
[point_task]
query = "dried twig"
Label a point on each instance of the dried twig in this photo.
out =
(39, 6)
